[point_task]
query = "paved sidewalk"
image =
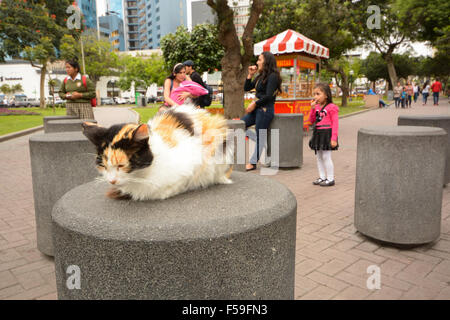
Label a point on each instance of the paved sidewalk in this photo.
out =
(107, 116)
(331, 259)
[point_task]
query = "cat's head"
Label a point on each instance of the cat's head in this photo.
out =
(121, 150)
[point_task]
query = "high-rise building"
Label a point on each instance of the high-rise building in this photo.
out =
(89, 10)
(199, 12)
(111, 27)
(147, 21)
(241, 10)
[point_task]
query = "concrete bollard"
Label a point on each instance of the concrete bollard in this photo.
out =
(50, 118)
(399, 172)
(439, 121)
(239, 144)
(290, 126)
(59, 162)
(215, 243)
(66, 125)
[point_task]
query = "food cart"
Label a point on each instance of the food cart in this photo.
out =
(298, 58)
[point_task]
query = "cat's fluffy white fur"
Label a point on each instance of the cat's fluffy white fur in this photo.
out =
(186, 166)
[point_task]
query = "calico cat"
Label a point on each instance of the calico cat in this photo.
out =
(175, 152)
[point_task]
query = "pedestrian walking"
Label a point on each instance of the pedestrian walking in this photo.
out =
(416, 91)
(261, 112)
(78, 90)
(409, 94)
(436, 87)
(324, 116)
(398, 94)
(425, 92)
(403, 97)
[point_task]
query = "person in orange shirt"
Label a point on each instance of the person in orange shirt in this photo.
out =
(436, 87)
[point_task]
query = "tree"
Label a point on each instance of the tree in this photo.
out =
(236, 60)
(33, 29)
(330, 23)
(142, 71)
(393, 32)
(100, 59)
(10, 90)
(201, 46)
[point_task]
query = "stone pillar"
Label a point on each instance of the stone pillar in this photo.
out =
(438, 121)
(50, 118)
(290, 126)
(66, 125)
(399, 173)
(239, 143)
(214, 243)
(59, 162)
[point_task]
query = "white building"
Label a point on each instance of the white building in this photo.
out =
(21, 72)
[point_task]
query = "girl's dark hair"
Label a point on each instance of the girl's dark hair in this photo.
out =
(425, 84)
(176, 69)
(325, 88)
(74, 64)
(269, 67)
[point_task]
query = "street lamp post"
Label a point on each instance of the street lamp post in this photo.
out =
(351, 83)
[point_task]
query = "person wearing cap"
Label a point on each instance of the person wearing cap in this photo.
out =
(194, 76)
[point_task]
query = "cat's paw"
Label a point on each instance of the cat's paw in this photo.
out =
(117, 194)
(225, 180)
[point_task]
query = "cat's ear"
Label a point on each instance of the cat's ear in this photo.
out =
(141, 133)
(94, 132)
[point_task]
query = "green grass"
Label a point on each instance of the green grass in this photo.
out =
(14, 123)
(147, 112)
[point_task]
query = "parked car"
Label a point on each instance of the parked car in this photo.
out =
(22, 101)
(107, 101)
(3, 101)
(151, 99)
(119, 100)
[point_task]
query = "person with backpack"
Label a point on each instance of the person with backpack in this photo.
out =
(78, 91)
(205, 100)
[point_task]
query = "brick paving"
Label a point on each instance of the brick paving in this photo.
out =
(331, 257)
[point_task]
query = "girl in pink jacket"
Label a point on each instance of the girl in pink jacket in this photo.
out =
(324, 116)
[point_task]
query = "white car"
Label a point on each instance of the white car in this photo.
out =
(120, 100)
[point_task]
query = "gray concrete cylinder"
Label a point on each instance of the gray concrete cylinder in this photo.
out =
(50, 118)
(438, 121)
(223, 242)
(399, 172)
(66, 125)
(59, 162)
(290, 126)
(238, 127)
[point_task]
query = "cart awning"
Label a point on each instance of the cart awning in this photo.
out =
(290, 41)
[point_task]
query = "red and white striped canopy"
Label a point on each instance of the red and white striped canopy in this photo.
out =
(290, 41)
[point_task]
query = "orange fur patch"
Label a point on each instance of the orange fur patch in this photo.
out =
(165, 125)
(125, 133)
(116, 157)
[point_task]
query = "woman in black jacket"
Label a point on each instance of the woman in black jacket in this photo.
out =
(261, 112)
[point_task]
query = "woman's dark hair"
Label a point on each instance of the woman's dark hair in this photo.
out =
(74, 64)
(176, 69)
(269, 67)
(325, 88)
(425, 84)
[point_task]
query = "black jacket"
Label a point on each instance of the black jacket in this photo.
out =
(265, 92)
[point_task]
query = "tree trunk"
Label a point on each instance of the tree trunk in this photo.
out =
(344, 83)
(235, 63)
(391, 69)
(42, 93)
